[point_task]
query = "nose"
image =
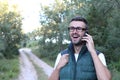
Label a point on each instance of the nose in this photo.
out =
(75, 31)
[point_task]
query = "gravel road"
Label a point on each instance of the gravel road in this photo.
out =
(27, 69)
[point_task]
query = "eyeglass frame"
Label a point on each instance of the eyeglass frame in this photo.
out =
(78, 29)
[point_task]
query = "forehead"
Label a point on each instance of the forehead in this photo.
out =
(77, 24)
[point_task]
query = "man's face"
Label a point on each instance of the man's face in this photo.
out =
(77, 31)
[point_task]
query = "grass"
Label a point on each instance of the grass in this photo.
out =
(49, 62)
(37, 53)
(40, 72)
(115, 75)
(9, 69)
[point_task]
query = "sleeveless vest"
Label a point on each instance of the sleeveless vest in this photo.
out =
(82, 69)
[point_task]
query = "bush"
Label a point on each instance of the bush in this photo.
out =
(9, 69)
(114, 66)
(1, 56)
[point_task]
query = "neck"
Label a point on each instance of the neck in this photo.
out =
(77, 48)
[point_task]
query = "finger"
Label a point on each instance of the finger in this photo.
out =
(87, 34)
(89, 37)
(85, 40)
(66, 55)
(85, 37)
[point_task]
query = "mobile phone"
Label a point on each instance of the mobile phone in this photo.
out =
(84, 42)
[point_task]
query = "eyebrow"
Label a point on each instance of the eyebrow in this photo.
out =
(77, 26)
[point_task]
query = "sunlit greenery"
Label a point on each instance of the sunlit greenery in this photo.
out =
(10, 38)
(104, 25)
(10, 30)
(9, 69)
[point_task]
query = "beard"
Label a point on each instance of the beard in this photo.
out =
(76, 40)
(80, 42)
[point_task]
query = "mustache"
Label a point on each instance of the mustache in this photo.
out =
(75, 34)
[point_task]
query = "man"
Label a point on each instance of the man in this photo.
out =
(80, 61)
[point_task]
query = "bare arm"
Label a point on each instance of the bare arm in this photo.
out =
(55, 75)
(101, 71)
(63, 61)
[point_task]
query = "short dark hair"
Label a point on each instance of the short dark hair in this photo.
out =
(78, 18)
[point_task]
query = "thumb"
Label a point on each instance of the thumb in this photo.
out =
(66, 54)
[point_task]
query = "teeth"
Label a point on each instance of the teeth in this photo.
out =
(75, 37)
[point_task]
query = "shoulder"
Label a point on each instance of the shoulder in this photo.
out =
(102, 58)
(57, 60)
(64, 51)
(101, 55)
(98, 52)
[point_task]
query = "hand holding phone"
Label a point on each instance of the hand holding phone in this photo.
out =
(84, 42)
(89, 42)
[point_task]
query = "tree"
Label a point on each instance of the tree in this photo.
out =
(52, 31)
(54, 20)
(104, 25)
(10, 28)
(103, 19)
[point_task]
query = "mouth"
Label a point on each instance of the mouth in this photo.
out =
(76, 39)
(75, 36)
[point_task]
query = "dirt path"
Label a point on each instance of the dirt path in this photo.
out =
(27, 70)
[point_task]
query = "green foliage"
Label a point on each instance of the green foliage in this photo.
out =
(50, 50)
(37, 52)
(116, 75)
(103, 25)
(10, 31)
(1, 56)
(9, 69)
(115, 66)
(40, 73)
(53, 30)
(32, 43)
(103, 18)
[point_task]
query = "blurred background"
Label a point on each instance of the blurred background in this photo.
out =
(41, 25)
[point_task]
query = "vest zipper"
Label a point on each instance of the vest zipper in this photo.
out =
(74, 78)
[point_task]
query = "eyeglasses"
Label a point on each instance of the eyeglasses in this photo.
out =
(79, 29)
